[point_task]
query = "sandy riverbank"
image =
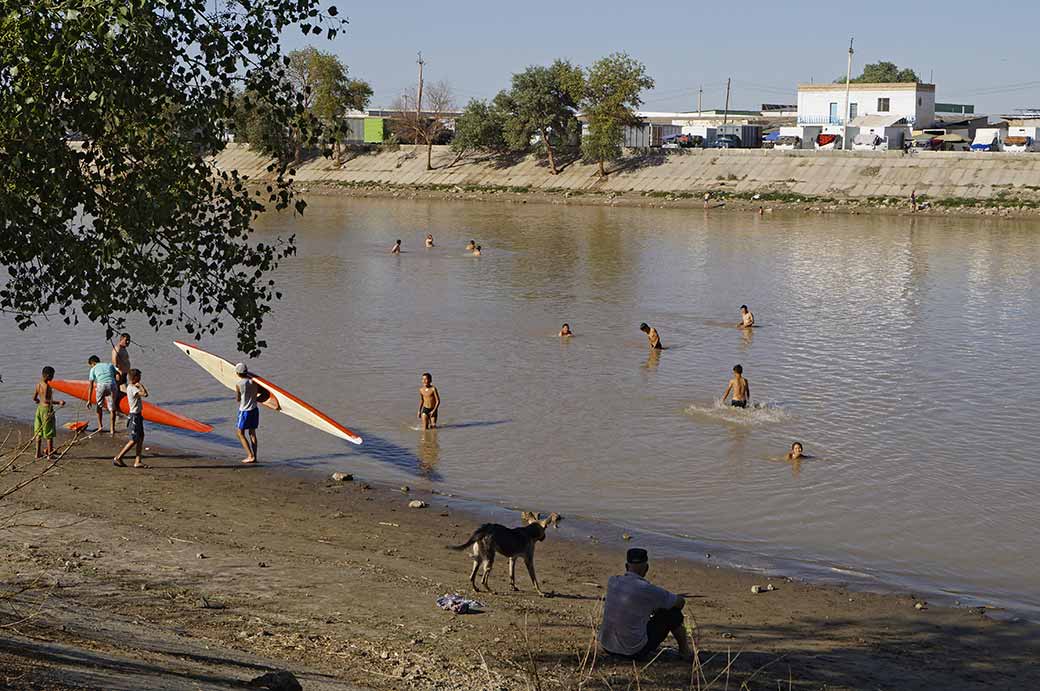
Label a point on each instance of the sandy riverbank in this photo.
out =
(233, 570)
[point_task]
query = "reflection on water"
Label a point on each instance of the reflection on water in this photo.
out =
(899, 349)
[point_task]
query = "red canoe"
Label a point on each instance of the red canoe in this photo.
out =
(152, 413)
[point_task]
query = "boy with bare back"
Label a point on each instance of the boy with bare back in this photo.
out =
(652, 336)
(429, 402)
(43, 422)
(739, 387)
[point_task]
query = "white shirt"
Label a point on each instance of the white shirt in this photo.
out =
(247, 390)
(631, 599)
(133, 399)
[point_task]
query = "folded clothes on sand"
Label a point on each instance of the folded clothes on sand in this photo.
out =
(458, 604)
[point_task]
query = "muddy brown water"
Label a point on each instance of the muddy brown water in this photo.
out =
(900, 351)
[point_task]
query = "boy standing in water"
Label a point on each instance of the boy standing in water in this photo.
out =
(104, 388)
(135, 391)
(429, 402)
(747, 320)
(43, 421)
(740, 388)
(651, 335)
(396, 249)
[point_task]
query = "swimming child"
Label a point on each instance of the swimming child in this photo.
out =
(796, 452)
(566, 330)
(429, 402)
(747, 320)
(476, 251)
(740, 388)
(651, 335)
(43, 421)
(429, 239)
(471, 245)
(396, 249)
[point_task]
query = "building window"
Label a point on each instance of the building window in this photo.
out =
(918, 100)
(834, 114)
(882, 105)
(853, 110)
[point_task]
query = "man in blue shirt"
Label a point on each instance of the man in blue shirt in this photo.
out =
(104, 391)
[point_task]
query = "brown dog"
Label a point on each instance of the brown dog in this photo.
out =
(514, 543)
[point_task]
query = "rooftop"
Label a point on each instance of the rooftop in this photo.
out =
(869, 86)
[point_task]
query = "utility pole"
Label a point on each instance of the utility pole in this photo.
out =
(725, 113)
(700, 94)
(418, 96)
(845, 119)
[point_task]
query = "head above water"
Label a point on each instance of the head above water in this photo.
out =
(135, 375)
(743, 308)
(796, 447)
(637, 561)
(398, 242)
(565, 327)
(738, 369)
(427, 378)
(93, 360)
(644, 327)
(48, 373)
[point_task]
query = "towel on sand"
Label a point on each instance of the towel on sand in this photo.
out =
(458, 604)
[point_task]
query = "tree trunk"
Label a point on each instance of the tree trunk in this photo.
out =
(429, 154)
(549, 151)
(602, 170)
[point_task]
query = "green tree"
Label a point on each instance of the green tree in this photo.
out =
(328, 92)
(881, 72)
(479, 128)
(542, 102)
(612, 95)
(109, 204)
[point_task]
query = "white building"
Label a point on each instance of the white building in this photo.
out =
(824, 104)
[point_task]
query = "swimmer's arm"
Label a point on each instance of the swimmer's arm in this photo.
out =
(728, 389)
(418, 413)
(436, 401)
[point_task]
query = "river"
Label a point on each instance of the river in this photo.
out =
(900, 351)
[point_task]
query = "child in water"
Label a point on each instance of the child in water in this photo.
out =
(796, 452)
(566, 330)
(739, 387)
(429, 402)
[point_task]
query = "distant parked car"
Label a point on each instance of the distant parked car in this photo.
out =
(727, 141)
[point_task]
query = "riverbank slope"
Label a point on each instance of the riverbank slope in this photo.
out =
(945, 181)
(254, 568)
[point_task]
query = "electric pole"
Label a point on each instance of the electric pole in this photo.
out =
(700, 93)
(725, 113)
(848, 79)
(418, 96)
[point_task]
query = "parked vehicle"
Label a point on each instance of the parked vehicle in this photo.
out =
(1020, 144)
(727, 141)
(987, 139)
(787, 143)
(869, 142)
(750, 136)
(828, 142)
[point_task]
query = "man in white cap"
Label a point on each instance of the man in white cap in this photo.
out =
(247, 393)
(638, 615)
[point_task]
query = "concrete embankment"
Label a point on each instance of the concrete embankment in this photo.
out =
(1011, 180)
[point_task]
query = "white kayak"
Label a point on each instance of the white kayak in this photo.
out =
(224, 372)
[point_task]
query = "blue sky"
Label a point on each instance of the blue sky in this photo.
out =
(986, 54)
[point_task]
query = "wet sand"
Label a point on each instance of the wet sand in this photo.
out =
(233, 570)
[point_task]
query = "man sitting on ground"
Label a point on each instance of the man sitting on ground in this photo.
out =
(638, 615)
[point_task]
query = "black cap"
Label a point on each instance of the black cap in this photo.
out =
(637, 555)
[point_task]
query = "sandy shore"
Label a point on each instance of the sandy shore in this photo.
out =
(202, 573)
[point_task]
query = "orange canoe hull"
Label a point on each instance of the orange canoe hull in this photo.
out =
(152, 413)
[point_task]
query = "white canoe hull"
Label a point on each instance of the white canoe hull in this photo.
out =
(224, 372)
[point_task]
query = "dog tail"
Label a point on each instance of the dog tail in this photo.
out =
(475, 537)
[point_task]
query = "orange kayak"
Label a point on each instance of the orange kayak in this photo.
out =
(152, 413)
